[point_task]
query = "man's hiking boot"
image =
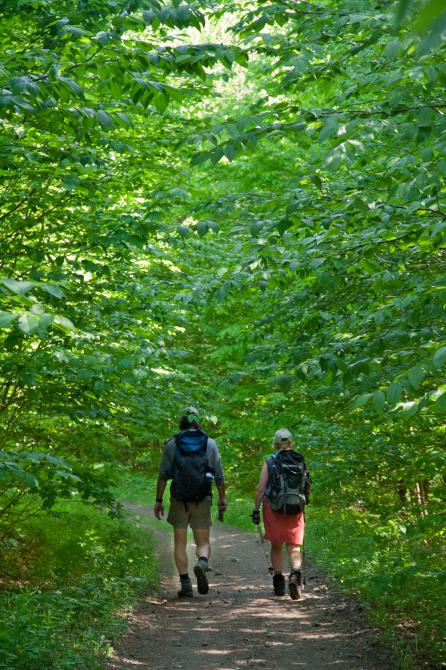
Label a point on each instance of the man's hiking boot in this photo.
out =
(200, 573)
(295, 584)
(186, 589)
(279, 584)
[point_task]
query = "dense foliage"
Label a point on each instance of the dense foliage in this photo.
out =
(80, 573)
(241, 206)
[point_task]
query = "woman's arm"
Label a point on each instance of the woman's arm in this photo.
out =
(261, 486)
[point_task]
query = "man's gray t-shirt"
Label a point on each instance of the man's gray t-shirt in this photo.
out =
(168, 459)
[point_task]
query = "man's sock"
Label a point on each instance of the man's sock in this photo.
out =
(184, 578)
(203, 558)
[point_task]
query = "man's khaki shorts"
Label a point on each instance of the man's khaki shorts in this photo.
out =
(195, 515)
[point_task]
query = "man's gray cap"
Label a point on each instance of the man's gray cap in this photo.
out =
(191, 410)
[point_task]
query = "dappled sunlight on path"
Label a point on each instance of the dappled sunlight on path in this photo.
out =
(240, 624)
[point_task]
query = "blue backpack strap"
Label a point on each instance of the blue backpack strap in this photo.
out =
(192, 441)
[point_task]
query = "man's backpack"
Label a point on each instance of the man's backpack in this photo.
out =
(192, 476)
(288, 482)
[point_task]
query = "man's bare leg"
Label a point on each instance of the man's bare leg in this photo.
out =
(180, 554)
(201, 537)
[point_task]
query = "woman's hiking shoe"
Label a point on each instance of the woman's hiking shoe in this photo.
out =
(279, 584)
(186, 589)
(295, 584)
(202, 580)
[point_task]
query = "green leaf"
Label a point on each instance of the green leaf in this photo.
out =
(416, 376)
(6, 318)
(18, 287)
(126, 121)
(52, 290)
(292, 207)
(183, 230)
(202, 228)
(73, 86)
(408, 409)
(28, 323)
(104, 119)
(213, 225)
(103, 37)
(439, 358)
(284, 224)
(200, 158)
(394, 393)
(161, 102)
(45, 322)
(63, 322)
(379, 401)
(440, 403)
(73, 30)
(329, 129)
(362, 400)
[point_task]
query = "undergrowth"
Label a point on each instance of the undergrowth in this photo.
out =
(79, 572)
(400, 578)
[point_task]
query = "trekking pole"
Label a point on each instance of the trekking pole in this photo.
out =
(270, 568)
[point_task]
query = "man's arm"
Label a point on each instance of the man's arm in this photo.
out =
(215, 463)
(165, 473)
(222, 502)
(158, 510)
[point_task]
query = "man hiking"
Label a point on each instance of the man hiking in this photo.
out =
(283, 488)
(192, 461)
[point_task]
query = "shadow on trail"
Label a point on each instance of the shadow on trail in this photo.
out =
(240, 623)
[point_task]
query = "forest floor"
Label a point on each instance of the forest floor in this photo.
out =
(240, 623)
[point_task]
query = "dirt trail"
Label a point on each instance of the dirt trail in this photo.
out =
(239, 623)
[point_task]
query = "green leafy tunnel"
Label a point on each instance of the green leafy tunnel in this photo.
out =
(241, 206)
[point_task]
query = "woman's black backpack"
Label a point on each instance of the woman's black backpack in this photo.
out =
(288, 482)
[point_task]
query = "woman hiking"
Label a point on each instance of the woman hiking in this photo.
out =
(283, 488)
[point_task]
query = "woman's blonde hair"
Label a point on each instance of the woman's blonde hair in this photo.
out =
(282, 437)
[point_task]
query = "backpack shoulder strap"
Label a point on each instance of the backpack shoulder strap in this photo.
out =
(301, 458)
(271, 463)
(177, 436)
(296, 456)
